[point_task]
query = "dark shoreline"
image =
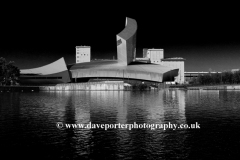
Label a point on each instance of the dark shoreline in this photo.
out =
(207, 87)
(19, 88)
(110, 87)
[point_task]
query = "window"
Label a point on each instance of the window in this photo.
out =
(54, 77)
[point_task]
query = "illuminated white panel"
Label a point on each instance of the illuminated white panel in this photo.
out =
(155, 55)
(83, 54)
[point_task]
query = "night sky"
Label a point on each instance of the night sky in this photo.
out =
(207, 36)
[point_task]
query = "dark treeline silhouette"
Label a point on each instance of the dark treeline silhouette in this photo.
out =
(217, 78)
(8, 72)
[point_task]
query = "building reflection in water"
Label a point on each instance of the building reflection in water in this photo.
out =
(104, 107)
(78, 106)
(195, 96)
(175, 106)
(200, 102)
(167, 107)
(113, 107)
(28, 122)
(107, 107)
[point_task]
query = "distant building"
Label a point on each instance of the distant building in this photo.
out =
(83, 54)
(191, 75)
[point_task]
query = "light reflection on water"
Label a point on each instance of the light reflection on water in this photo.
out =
(28, 124)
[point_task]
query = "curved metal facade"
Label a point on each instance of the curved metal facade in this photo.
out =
(125, 66)
(112, 69)
(52, 73)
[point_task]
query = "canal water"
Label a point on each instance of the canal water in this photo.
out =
(33, 125)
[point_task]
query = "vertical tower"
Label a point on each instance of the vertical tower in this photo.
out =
(83, 54)
(126, 43)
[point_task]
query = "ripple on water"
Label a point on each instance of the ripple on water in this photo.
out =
(28, 124)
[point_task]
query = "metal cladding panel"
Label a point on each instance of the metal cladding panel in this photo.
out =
(145, 52)
(121, 51)
(55, 67)
(169, 76)
(40, 81)
(130, 29)
(179, 65)
(137, 66)
(64, 78)
(135, 70)
(126, 42)
(117, 74)
(124, 67)
(131, 49)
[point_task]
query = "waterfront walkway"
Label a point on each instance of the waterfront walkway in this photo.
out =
(215, 87)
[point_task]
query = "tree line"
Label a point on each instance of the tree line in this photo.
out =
(217, 78)
(9, 73)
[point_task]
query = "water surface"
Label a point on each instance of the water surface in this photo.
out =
(28, 124)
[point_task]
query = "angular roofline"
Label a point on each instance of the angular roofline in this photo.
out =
(54, 67)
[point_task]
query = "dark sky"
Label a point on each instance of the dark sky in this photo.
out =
(207, 36)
